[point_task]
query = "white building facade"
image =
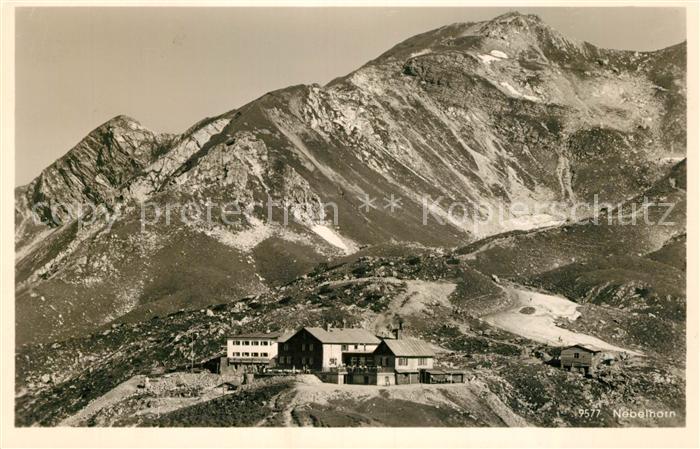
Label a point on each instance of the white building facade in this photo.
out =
(254, 348)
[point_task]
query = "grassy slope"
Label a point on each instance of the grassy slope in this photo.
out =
(88, 367)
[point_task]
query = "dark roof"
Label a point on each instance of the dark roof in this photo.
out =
(285, 336)
(343, 335)
(410, 347)
(589, 348)
(270, 335)
(443, 371)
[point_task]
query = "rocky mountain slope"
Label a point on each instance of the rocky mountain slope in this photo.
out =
(438, 297)
(499, 115)
(636, 303)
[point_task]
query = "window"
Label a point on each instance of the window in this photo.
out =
(311, 346)
(403, 361)
(311, 360)
(236, 354)
(422, 361)
(263, 354)
(289, 360)
(255, 354)
(303, 346)
(286, 346)
(303, 361)
(245, 343)
(264, 343)
(333, 361)
(357, 346)
(575, 355)
(343, 347)
(256, 343)
(237, 342)
(246, 354)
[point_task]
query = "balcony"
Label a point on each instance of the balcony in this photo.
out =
(362, 369)
(248, 360)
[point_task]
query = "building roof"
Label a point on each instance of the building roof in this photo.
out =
(410, 347)
(587, 347)
(285, 336)
(438, 371)
(343, 335)
(268, 335)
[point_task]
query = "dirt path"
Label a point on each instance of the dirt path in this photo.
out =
(159, 391)
(114, 396)
(283, 408)
(533, 315)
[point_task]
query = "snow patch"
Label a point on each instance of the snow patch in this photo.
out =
(511, 89)
(515, 93)
(425, 51)
(332, 237)
(541, 325)
(488, 59)
(494, 55)
(38, 238)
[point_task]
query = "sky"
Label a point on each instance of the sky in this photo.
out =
(170, 67)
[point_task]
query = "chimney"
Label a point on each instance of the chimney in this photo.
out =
(344, 323)
(328, 327)
(398, 331)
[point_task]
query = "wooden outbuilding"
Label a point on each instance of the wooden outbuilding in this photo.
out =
(441, 376)
(581, 357)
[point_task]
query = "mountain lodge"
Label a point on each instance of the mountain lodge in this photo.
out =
(338, 355)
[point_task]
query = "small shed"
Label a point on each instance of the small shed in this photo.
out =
(442, 376)
(581, 357)
(407, 376)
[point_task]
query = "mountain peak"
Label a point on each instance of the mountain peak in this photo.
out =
(518, 26)
(511, 18)
(517, 16)
(518, 31)
(121, 121)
